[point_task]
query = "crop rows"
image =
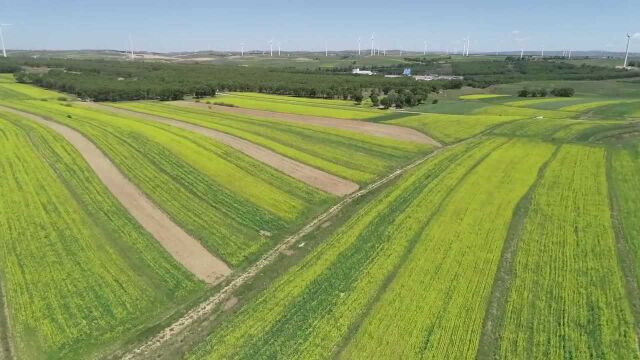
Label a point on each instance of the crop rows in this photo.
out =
(308, 311)
(436, 303)
(77, 271)
(317, 107)
(349, 155)
(567, 298)
(220, 196)
(452, 128)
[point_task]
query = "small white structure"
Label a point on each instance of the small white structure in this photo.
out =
(357, 71)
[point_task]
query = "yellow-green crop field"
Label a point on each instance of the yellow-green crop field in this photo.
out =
(77, 271)
(518, 238)
(340, 109)
(350, 155)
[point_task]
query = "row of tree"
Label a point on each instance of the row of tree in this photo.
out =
(560, 92)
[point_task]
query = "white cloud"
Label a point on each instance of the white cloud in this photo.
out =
(515, 32)
(636, 35)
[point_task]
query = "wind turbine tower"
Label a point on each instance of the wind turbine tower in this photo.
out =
(242, 49)
(359, 41)
(373, 35)
(521, 53)
(326, 49)
(570, 51)
(626, 55)
(132, 55)
(271, 47)
(424, 52)
(468, 45)
(278, 48)
(4, 51)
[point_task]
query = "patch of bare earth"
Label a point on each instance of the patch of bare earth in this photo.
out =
(185, 249)
(307, 174)
(230, 303)
(363, 127)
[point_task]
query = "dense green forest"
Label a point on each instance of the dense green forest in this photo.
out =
(112, 80)
(103, 80)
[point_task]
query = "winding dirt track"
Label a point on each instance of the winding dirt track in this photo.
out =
(363, 127)
(307, 174)
(185, 249)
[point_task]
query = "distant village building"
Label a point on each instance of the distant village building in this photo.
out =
(357, 71)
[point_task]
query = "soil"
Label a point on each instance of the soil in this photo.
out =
(359, 126)
(307, 174)
(185, 249)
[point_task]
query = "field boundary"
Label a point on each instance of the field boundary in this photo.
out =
(494, 313)
(185, 250)
(309, 175)
(210, 304)
(6, 351)
(625, 261)
(359, 126)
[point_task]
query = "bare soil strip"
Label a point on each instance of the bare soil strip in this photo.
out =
(211, 303)
(359, 126)
(307, 174)
(185, 249)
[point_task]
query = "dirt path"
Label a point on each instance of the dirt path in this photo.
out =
(360, 126)
(211, 303)
(185, 249)
(307, 174)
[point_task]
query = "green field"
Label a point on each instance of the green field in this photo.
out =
(341, 109)
(350, 155)
(86, 275)
(220, 196)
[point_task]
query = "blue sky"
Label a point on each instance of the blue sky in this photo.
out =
(305, 25)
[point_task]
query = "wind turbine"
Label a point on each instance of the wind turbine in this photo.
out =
(626, 55)
(242, 49)
(278, 48)
(468, 45)
(570, 51)
(424, 52)
(326, 49)
(131, 48)
(542, 52)
(373, 36)
(359, 40)
(521, 53)
(4, 51)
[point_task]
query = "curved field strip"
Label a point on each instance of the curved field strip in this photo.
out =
(452, 128)
(228, 201)
(533, 102)
(185, 249)
(431, 308)
(625, 176)
(523, 112)
(349, 155)
(340, 109)
(591, 105)
(568, 239)
(309, 310)
(16, 91)
(481, 96)
(314, 177)
(78, 272)
(387, 131)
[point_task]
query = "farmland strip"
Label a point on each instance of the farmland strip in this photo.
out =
(185, 249)
(568, 240)
(307, 174)
(211, 303)
(5, 336)
(487, 347)
(388, 131)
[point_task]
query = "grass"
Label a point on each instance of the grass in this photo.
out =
(350, 155)
(566, 269)
(452, 128)
(79, 274)
(481, 96)
(215, 193)
(307, 312)
(341, 109)
(463, 241)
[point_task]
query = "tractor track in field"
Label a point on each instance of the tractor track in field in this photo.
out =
(360, 126)
(181, 246)
(309, 175)
(209, 305)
